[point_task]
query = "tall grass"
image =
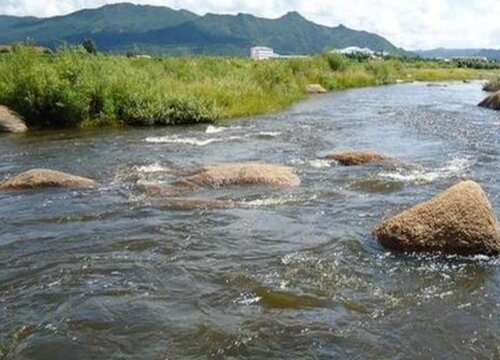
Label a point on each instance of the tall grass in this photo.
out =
(75, 88)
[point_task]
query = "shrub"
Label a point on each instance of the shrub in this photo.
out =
(74, 88)
(337, 62)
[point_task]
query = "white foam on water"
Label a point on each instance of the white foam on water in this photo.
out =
(247, 299)
(269, 133)
(273, 201)
(456, 166)
(215, 129)
(178, 140)
(187, 140)
(266, 202)
(152, 168)
(296, 162)
(320, 164)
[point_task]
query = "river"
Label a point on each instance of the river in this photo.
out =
(109, 273)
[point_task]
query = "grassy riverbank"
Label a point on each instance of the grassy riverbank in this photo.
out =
(74, 88)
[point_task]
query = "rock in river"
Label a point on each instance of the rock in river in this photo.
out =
(196, 203)
(43, 178)
(491, 102)
(492, 86)
(459, 221)
(353, 158)
(315, 89)
(11, 121)
(256, 174)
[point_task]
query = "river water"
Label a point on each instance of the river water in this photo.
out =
(295, 274)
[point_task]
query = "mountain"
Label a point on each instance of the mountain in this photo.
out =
(491, 54)
(122, 27)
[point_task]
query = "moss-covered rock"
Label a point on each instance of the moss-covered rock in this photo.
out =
(44, 178)
(238, 174)
(354, 158)
(491, 102)
(459, 221)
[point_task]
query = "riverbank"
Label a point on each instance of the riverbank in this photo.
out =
(77, 89)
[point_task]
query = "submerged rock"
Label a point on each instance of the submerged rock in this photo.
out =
(11, 121)
(43, 178)
(286, 300)
(459, 221)
(315, 89)
(240, 174)
(215, 176)
(196, 203)
(161, 189)
(491, 102)
(353, 158)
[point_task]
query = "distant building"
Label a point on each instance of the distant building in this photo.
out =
(262, 53)
(266, 53)
(354, 50)
(480, 59)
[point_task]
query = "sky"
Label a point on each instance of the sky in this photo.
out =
(412, 24)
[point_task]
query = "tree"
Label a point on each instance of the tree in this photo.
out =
(90, 46)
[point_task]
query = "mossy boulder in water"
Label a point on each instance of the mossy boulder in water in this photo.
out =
(459, 221)
(491, 102)
(243, 174)
(197, 203)
(492, 86)
(354, 158)
(43, 178)
(11, 121)
(315, 89)
(221, 175)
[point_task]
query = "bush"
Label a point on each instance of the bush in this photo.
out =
(337, 62)
(74, 88)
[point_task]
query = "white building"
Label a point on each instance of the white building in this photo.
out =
(481, 59)
(262, 53)
(355, 50)
(265, 53)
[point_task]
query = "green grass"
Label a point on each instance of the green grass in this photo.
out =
(75, 89)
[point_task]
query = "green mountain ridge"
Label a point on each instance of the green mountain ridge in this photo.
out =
(492, 54)
(125, 26)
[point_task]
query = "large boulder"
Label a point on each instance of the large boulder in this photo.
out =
(43, 178)
(354, 158)
(459, 221)
(491, 102)
(11, 121)
(492, 86)
(249, 174)
(315, 89)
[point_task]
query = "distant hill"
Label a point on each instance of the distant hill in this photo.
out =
(450, 53)
(123, 27)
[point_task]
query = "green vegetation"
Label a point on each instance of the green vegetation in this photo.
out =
(75, 88)
(89, 46)
(475, 64)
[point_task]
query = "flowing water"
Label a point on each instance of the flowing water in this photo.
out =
(295, 274)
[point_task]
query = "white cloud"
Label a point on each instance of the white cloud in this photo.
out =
(410, 24)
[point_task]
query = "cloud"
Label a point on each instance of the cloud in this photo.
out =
(410, 24)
